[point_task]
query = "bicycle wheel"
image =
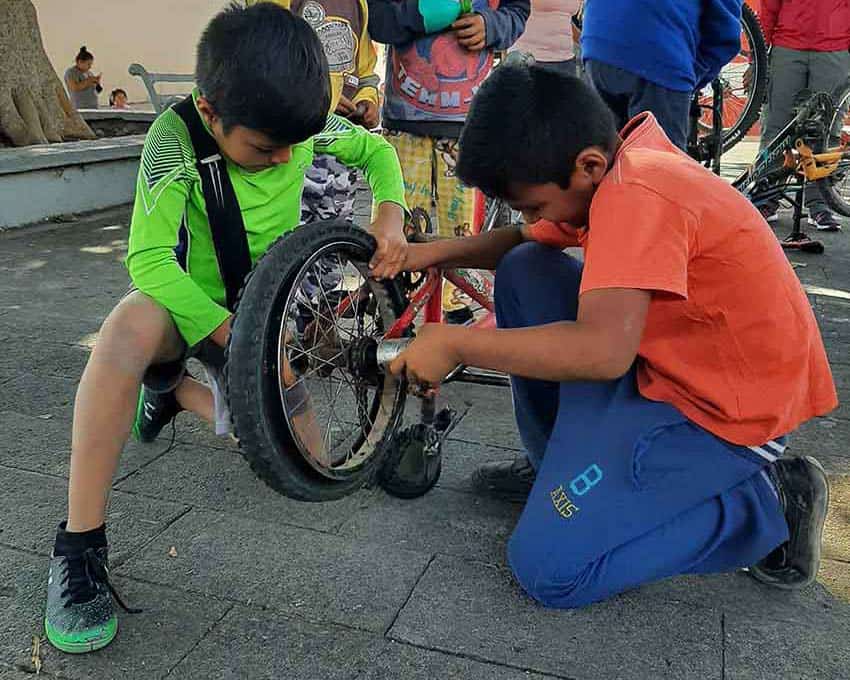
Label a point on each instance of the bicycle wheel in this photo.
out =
(835, 188)
(744, 83)
(310, 422)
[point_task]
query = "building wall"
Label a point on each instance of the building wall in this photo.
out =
(159, 34)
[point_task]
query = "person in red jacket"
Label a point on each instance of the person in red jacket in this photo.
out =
(809, 51)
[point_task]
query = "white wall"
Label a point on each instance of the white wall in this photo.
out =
(159, 34)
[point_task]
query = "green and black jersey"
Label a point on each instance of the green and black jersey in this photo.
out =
(171, 255)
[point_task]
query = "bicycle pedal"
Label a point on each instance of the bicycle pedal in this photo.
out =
(448, 419)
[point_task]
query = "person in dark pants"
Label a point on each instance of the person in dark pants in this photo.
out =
(809, 43)
(650, 55)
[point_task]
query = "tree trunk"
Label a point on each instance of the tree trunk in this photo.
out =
(34, 108)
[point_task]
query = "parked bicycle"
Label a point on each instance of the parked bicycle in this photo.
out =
(812, 148)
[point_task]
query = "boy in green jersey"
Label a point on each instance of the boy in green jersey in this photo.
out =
(263, 97)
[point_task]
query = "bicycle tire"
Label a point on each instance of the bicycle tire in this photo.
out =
(835, 188)
(751, 27)
(253, 383)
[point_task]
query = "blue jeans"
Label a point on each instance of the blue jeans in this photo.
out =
(628, 490)
(628, 94)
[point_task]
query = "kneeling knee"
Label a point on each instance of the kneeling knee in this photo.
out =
(547, 582)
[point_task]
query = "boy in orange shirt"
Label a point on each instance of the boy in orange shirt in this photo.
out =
(653, 384)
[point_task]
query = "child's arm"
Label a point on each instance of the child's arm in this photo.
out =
(600, 345)
(366, 60)
(483, 251)
(720, 38)
(162, 190)
(358, 148)
(398, 22)
(504, 26)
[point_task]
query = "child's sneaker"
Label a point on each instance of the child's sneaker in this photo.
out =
(824, 221)
(804, 494)
(79, 616)
(153, 412)
(509, 480)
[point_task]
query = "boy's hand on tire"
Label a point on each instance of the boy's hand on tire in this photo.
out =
(388, 230)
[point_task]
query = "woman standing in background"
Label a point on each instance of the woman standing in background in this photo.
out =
(83, 86)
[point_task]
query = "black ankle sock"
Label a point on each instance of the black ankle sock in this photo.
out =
(73, 542)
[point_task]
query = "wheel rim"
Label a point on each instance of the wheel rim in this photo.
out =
(840, 125)
(337, 418)
(737, 96)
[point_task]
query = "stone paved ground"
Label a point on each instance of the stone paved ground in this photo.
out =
(367, 587)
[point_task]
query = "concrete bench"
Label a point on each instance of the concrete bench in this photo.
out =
(159, 101)
(43, 181)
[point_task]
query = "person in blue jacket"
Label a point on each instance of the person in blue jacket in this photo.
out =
(650, 55)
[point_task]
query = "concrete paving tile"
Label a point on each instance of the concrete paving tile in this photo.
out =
(12, 673)
(34, 504)
(462, 458)
(826, 439)
(836, 535)
(222, 480)
(64, 328)
(490, 420)
(193, 431)
(37, 395)
(835, 577)
(147, 644)
(44, 445)
(47, 358)
(318, 576)
(758, 648)
(739, 595)
(388, 660)
(442, 521)
(475, 610)
(265, 645)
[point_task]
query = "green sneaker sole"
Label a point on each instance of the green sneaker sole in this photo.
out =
(80, 643)
(140, 405)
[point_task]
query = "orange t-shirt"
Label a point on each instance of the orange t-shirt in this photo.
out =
(730, 337)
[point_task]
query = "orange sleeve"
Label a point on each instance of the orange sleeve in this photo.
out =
(553, 234)
(637, 239)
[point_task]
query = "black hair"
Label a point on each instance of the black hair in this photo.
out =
(114, 93)
(84, 55)
(527, 125)
(263, 68)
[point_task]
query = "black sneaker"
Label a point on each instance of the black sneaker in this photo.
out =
(804, 494)
(509, 480)
(825, 221)
(459, 317)
(153, 412)
(79, 616)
